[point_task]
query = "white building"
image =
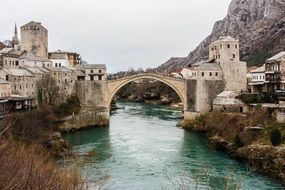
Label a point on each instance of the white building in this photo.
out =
(257, 79)
(59, 59)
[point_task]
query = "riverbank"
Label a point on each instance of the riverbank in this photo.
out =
(245, 137)
(143, 145)
(29, 143)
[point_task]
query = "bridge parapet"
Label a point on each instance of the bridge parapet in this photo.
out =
(147, 74)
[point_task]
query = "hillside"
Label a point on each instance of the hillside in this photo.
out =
(258, 24)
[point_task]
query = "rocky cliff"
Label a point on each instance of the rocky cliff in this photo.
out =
(258, 24)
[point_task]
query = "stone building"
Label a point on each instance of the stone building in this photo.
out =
(23, 82)
(66, 80)
(226, 52)
(207, 70)
(91, 72)
(29, 60)
(227, 102)
(9, 57)
(5, 88)
(34, 39)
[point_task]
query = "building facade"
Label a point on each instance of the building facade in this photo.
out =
(34, 39)
(257, 80)
(226, 52)
(5, 88)
(275, 72)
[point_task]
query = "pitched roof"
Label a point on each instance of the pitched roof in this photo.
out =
(225, 39)
(18, 72)
(33, 23)
(3, 81)
(5, 50)
(206, 66)
(32, 57)
(94, 66)
(227, 98)
(35, 70)
(61, 69)
(59, 56)
(277, 57)
(259, 70)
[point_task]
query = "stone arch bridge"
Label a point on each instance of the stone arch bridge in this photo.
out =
(96, 96)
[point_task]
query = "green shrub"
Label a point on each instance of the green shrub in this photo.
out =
(259, 98)
(72, 105)
(237, 141)
(275, 137)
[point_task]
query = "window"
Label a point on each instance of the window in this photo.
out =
(100, 71)
(7, 78)
(65, 80)
(91, 77)
(234, 55)
(202, 74)
(59, 64)
(20, 87)
(55, 64)
(91, 71)
(229, 46)
(100, 77)
(17, 63)
(217, 74)
(236, 46)
(210, 74)
(221, 46)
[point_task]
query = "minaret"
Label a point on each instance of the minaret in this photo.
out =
(15, 39)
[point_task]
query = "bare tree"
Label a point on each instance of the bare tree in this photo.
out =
(48, 90)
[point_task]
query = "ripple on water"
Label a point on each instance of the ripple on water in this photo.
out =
(143, 149)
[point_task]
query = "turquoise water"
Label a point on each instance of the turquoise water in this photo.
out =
(143, 149)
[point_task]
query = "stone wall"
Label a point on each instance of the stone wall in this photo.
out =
(91, 94)
(86, 119)
(34, 39)
(191, 86)
(234, 75)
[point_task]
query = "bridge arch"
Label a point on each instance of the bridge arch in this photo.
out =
(178, 85)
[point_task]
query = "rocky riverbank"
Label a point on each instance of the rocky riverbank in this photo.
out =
(265, 158)
(231, 134)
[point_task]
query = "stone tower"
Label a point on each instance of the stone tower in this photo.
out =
(15, 39)
(34, 39)
(226, 52)
(224, 49)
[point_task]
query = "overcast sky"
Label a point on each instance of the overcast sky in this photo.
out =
(118, 33)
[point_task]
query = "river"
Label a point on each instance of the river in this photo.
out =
(143, 149)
